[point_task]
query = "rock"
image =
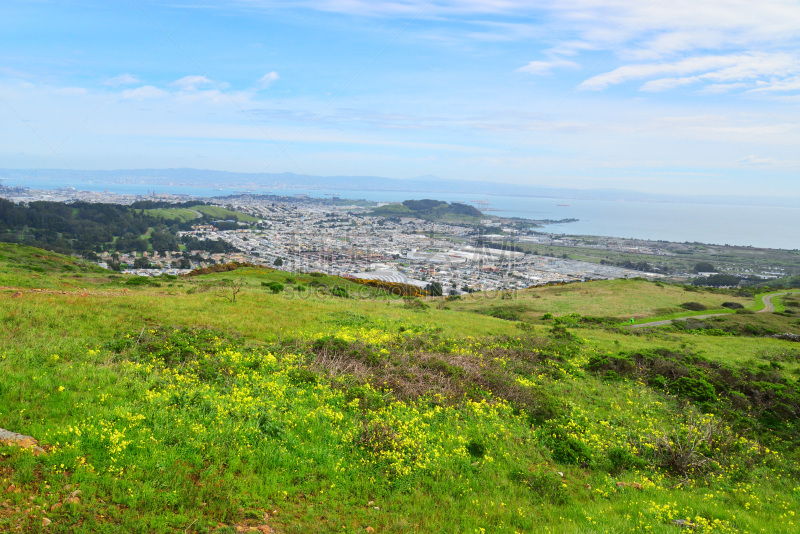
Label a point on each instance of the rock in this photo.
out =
(13, 439)
(684, 524)
(46, 522)
(786, 337)
(265, 529)
(560, 474)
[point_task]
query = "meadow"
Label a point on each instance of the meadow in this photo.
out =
(312, 404)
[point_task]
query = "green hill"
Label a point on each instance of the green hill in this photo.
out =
(433, 210)
(310, 403)
(196, 212)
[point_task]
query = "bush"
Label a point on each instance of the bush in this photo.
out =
(340, 292)
(566, 449)
(622, 459)
(476, 449)
(693, 306)
(275, 287)
(544, 485)
(697, 389)
(732, 305)
(503, 313)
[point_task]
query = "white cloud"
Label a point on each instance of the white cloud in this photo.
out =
(191, 83)
(389, 8)
(71, 91)
(790, 84)
(755, 68)
(541, 68)
(122, 79)
(664, 84)
(268, 79)
(754, 160)
(146, 92)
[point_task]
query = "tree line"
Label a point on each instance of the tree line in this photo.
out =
(87, 228)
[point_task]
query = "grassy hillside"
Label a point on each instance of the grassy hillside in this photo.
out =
(432, 210)
(172, 407)
(175, 214)
(195, 212)
(620, 299)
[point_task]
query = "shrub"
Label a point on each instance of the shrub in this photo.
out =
(340, 292)
(693, 306)
(275, 287)
(697, 389)
(302, 376)
(622, 459)
(507, 314)
(476, 449)
(566, 449)
(732, 305)
(544, 485)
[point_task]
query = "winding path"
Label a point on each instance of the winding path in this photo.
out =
(769, 307)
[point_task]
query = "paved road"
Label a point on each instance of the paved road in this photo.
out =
(769, 307)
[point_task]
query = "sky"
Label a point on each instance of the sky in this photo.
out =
(692, 97)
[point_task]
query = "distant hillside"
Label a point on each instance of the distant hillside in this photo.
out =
(433, 210)
(426, 184)
(88, 228)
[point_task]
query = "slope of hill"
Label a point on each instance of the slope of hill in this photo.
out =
(167, 405)
(433, 210)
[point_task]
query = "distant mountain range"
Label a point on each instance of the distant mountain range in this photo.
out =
(423, 184)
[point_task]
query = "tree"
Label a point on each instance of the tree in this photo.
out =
(228, 289)
(278, 262)
(141, 263)
(434, 289)
(704, 267)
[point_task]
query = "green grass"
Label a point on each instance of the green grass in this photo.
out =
(222, 213)
(620, 299)
(173, 409)
(180, 214)
(195, 212)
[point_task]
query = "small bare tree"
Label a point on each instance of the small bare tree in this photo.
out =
(228, 289)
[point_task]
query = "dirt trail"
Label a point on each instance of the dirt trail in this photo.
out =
(769, 307)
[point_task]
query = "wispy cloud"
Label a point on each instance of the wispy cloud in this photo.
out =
(122, 79)
(146, 92)
(756, 68)
(541, 68)
(191, 83)
(268, 79)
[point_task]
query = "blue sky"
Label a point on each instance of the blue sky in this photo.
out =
(686, 96)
